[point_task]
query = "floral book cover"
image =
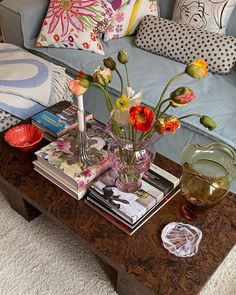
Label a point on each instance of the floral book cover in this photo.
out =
(59, 157)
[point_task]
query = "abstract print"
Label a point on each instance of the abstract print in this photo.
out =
(211, 15)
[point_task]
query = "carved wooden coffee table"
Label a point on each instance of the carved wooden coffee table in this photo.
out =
(142, 264)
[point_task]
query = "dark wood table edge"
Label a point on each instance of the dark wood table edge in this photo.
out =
(127, 284)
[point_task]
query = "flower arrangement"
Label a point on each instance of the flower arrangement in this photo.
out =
(132, 121)
(128, 110)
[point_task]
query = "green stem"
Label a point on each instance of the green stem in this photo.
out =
(127, 75)
(163, 112)
(159, 108)
(166, 88)
(107, 96)
(146, 135)
(109, 107)
(121, 81)
(190, 115)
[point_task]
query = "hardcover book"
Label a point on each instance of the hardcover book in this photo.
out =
(77, 193)
(162, 187)
(57, 159)
(132, 206)
(58, 119)
(121, 223)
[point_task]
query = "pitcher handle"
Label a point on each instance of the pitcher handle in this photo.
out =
(229, 149)
(224, 147)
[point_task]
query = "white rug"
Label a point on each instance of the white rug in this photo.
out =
(40, 258)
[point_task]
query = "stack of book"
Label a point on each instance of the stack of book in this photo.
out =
(58, 119)
(129, 211)
(56, 162)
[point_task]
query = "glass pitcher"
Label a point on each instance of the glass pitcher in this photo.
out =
(207, 173)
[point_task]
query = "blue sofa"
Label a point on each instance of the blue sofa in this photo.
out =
(216, 94)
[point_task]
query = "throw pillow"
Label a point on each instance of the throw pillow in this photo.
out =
(28, 82)
(7, 120)
(184, 43)
(129, 16)
(76, 24)
(204, 14)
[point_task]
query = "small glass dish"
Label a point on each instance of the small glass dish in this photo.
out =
(25, 137)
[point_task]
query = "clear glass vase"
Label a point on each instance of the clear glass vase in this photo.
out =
(207, 175)
(130, 160)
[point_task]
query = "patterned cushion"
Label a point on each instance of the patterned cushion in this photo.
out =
(7, 120)
(205, 14)
(184, 43)
(76, 24)
(129, 16)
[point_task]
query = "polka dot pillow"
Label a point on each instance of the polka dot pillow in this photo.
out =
(76, 24)
(184, 43)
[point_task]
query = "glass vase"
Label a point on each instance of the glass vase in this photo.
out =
(130, 160)
(207, 175)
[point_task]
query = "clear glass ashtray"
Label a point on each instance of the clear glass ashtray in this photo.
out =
(181, 239)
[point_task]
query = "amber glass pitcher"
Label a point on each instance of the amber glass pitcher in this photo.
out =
(207, 175)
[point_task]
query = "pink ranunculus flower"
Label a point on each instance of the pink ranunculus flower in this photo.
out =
(78, 87)
(63, 145)
(81, 183)
(87, 173)
(181, 96)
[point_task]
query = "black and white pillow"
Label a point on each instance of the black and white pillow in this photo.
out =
(211, 15)
(184, 43)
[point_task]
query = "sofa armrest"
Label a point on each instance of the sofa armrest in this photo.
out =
(25, 17)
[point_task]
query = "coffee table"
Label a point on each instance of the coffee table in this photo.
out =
(143, 266)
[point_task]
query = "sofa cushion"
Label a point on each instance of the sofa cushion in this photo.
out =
(29, 83)
(150, 73)
(129, 16)
(76, 24)
(185, 44)
(209, 15)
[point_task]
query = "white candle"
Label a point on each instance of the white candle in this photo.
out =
(80, 103)
(80, 116)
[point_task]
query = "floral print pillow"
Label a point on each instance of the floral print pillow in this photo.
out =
(76, 24)
(128, 17)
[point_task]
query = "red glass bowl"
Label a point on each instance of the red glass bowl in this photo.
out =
(25, 137)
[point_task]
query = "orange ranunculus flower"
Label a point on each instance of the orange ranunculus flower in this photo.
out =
(181, 96)
(197, 69)
(167, 124)
(141, 117)
(78, 87)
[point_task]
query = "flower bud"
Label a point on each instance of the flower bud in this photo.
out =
(208, 122)
(122, 57)
(197, 69)
(79, 87)
(181, 96)
(109, 63)
(83, 75)
(102, 76)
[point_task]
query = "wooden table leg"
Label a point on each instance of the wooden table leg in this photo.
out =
(16, 201)
(126, 285)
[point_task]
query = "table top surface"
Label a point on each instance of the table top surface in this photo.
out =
(142, 254)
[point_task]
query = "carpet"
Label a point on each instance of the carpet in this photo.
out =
(41, 258)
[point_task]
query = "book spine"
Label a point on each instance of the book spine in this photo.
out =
(110, 218)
